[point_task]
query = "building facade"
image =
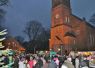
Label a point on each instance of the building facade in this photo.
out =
(12, 43)
(69, 31)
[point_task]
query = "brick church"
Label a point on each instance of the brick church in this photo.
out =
(69, 31)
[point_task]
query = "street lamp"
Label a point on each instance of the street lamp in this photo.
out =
(61, 46)
(59, 49)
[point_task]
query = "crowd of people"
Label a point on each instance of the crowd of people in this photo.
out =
(45, 61)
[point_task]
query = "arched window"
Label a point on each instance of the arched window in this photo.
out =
(74, 42)
(91, 39)
(67, 19)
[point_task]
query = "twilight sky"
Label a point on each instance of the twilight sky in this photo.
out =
(19, 12)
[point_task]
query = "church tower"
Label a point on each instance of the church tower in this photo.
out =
(69, 31)
(58, 2)
(60, 24)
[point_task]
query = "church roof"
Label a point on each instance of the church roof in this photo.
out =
(87, 23)
(77, 17)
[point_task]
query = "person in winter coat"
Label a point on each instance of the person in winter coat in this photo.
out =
(16, 60)
(77, 62)
(64, 66)
(57, 61)
(21, 63)
(52, 64)
(85, 67)
(39, 64)
(30, 62)
(46, 65)
(67, 64)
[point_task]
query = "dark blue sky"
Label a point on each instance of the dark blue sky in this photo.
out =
(19, 12)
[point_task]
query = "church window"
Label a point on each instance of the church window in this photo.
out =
(57, 19)
(57, 16)
(74, 42)
(67, 19)
(91, 39)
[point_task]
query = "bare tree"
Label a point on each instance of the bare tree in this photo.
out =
(3, 2)
(33, 30)
(37, 34)
(20, 39)
(45, 35)
(42, 40)
(2, 12)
